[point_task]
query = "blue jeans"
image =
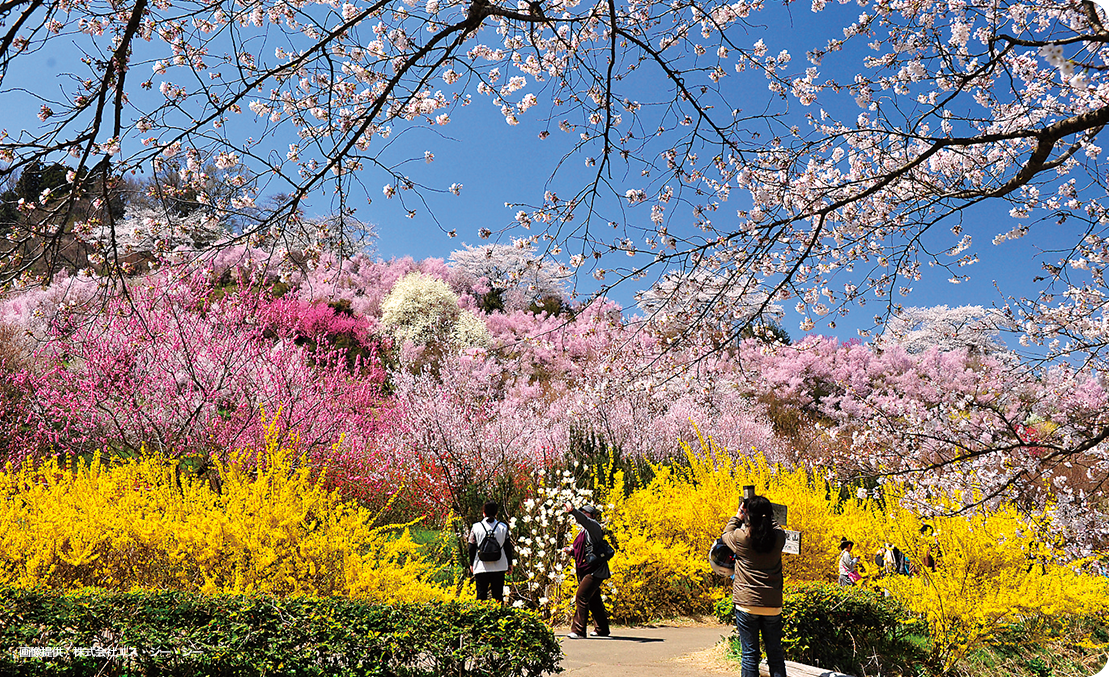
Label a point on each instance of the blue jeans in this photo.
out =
(749, 626)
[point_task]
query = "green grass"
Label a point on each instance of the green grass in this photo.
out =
(442, 547)
(1076, 646)
(423, 536)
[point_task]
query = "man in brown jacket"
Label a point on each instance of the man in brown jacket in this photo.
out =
(757, 586)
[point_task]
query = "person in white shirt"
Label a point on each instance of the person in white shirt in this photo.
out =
(489, 573)
(847, 564)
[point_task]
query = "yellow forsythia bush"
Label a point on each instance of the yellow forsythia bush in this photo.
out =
(665, 529)
(272, 529)
(983, 580)
(992, 571)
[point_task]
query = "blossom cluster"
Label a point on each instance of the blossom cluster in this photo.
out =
(544, 571)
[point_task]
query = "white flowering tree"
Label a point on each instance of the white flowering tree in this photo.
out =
(839, 164)
(972, 328)
(508, 277)
(897, 122)
(680, 301)
(149, 230)
(544, 579)
(341, 235)
(423, 315)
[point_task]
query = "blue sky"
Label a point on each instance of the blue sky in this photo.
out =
(498, 163)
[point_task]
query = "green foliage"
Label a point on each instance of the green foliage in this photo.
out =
(37, 177)
(9, 212)
(177, 633)
(1072, 646)
(849, 629)
(492, 301)
(593, 460)
(724, 609)
(767, 332)
(551, 304)
(852, 630)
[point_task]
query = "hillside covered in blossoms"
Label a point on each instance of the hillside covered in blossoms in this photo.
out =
(425, 382)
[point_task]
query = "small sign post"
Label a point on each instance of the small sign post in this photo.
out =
(781, 513)
(793, 542)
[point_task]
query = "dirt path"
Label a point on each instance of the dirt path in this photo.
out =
(647, 652)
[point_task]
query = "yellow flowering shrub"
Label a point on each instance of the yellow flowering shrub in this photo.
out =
(982, 584)
(992, 571)
(663, 532)
(271, 529)
(665, 529)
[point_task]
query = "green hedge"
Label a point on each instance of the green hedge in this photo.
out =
(848, 629)
(176, 633)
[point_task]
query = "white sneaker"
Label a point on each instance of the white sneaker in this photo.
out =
(574, 635)
(599, 636)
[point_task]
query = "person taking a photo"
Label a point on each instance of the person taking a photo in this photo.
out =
(757, 586)
(592, 569)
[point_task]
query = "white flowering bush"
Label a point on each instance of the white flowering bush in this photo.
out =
(423, 312)
(544, 580)
(470, 331)
(420, 309)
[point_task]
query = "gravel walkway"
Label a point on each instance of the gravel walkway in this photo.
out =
(644, 652)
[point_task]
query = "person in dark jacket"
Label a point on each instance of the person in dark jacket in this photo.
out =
(757, 587)
(588, 600)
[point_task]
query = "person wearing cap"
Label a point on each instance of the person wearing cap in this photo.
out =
(757, 585)
(587, 599)
(848, 565)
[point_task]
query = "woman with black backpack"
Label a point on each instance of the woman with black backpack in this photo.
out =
(591, 554)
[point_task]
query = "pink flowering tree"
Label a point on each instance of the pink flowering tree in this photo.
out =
(849, 151)
(517, 405)
(175, 368)
(458, 430)
(985, 428)
(360, 281)
(823, 168)
(601, 374)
